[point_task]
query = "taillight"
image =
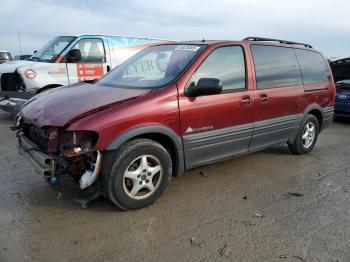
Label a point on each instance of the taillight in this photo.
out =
(333, 95)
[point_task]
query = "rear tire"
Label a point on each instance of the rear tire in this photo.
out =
(141, 172)
(306, 137)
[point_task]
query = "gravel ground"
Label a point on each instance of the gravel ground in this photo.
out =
(268, 206)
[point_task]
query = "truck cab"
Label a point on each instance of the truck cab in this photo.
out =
(65, 60)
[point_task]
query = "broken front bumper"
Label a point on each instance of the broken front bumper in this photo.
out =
(11, 101)
(42, 163)
(11, 105)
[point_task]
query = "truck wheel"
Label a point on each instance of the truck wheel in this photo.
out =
(141, 172)
(306, 137)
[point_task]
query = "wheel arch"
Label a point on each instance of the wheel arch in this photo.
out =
(161, 134)
(317, 111)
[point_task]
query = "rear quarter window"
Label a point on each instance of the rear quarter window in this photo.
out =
(313, 66)
(275, 67)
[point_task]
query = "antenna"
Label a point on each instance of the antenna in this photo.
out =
(19, 42)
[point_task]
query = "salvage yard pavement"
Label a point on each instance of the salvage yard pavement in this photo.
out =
(269, 206)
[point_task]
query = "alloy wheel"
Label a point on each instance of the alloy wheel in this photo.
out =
(142, 177)
(309, 133)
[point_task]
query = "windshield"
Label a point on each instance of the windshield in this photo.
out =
(53, 48)
(153, 67)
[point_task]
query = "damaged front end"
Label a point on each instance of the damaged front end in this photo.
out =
(55, 152)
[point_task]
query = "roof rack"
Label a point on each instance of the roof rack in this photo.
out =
(254, 38)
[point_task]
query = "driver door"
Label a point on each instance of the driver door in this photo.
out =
(217, 126)
(93, 63)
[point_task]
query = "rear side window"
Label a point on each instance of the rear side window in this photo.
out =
(227, 64)
(313, 66)
(275, 67)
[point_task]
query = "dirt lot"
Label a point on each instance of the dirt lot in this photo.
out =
(269, 206)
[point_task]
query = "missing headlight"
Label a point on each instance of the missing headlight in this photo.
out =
(82, 143)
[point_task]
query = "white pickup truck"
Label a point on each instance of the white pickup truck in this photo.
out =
(65, 60)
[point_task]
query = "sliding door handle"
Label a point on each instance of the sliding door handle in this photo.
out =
(245, 100)
(263, 98)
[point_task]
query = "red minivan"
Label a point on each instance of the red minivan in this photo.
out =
(173, 107)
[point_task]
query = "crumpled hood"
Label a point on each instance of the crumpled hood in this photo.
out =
(59, 106)
(13, 65)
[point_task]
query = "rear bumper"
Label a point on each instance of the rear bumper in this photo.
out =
(342, 109)
(42, 163)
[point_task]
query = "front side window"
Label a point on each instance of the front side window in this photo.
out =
(50, 51)
(313, 66)
(152, 67)
(226, 64)
(275, 67)
(92, 50)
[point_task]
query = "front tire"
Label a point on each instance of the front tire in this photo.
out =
(306, 137)
(141, 172)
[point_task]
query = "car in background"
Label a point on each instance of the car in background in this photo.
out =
(341, 73)
(21, 57)
(66, 60)
(5, 57)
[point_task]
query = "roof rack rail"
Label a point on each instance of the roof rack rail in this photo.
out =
(254, 38)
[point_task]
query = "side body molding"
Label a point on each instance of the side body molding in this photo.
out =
(152, 129)
(210, 146)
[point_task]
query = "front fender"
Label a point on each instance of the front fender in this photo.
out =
(152, 129)
(145, 129)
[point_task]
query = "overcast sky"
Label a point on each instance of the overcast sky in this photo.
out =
(325, 24)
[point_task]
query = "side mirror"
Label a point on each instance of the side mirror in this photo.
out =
(205, 87)
(35, 51)
(74, 55)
